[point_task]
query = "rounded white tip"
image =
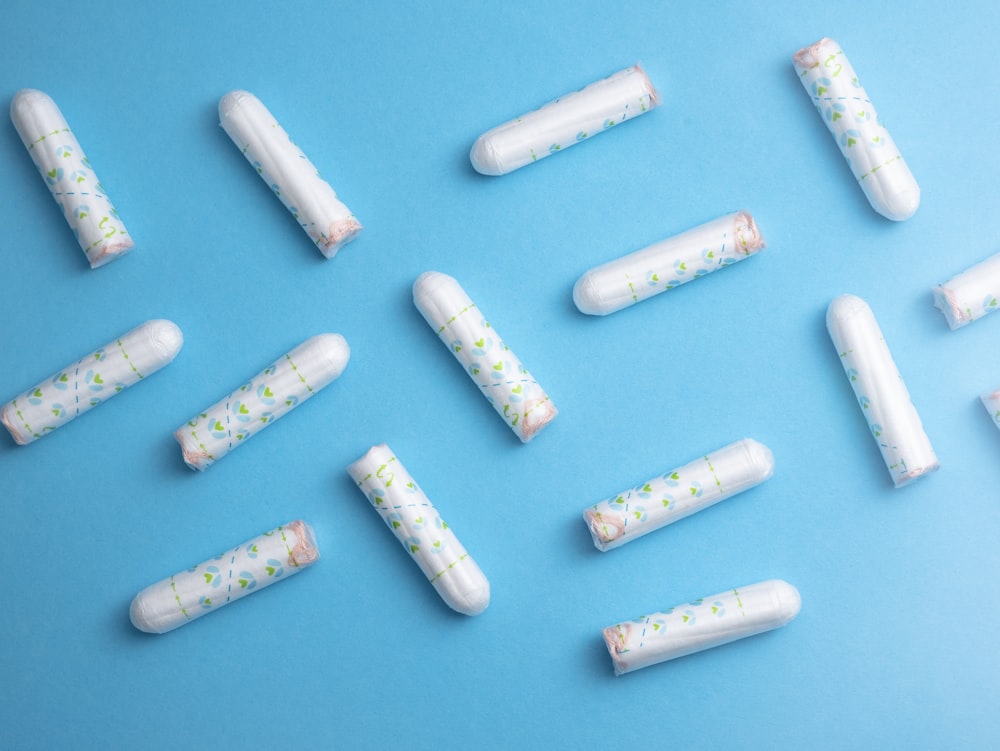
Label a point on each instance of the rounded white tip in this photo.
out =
(333, 348)
(25, 99)
(472, 601)
(232, 100)
(901, 205)
(428, 282)
(845, 307)
(788, 598)
(587, 297)
(139, 616)
(761, 459)
(484, 157)
(165, 337)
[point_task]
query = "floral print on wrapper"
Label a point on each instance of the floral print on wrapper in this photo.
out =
(667, 264)
(202, 589)
(70, 177)
(288, 172)
(564, 122)
(828, 77)
(679, 493)
(702, 624)
(93, 379)
(505, 382)
(269, 395)
(879, 388)
(421, 531)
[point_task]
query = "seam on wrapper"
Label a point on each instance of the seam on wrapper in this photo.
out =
(970, 295)
(566, 121)
(667, 264)
(419, 528)
(832, 83)
(70, 177)
(288, 172)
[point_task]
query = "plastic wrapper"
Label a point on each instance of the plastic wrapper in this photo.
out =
(881, 393)
(970, 295)
(93, 379)
(667, 264)
(421, 531)
(288, 172)
(702, 624)
(842, 102)
(679, 493)
(505, 382)
(230, 576)
(70, 177)
(564, 122)
(269, 395)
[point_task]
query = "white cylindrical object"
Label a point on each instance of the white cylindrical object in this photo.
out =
(95, 378)
(831, 81)
(420, 530)
(705, 623)
(505, 382)
(564, 122)
(288, 172)
(970, 295)
(880, 390)
(205, 588)
(272, 393)
(667, 264)
(679, 493)
(991, 400)
(70, 177)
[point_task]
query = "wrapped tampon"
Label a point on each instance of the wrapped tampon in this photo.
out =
(420, 530)
(247, 568)
(667, 264)
(880, 390)
(679, 493)
(828, 77)
(93, 379)
(272, 393)
(705, 623)
(991, 400)
(288, 172)
(70, 177)
(505, 382)
(970, 295)
(564, 122)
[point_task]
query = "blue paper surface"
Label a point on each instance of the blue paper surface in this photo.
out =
(895, 645)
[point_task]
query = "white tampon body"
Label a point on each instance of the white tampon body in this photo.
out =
(93, 379)
(288, 172)
(205, 588)
(828, 77)
(880, 390)
(564, 122)
(970, 295)
(705, 623)
(505, 382)
(991, 400)
(272, 393)
(70, 177)
(420, 530)
(679, 493)
(667, 264)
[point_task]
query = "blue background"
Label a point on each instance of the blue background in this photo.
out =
(896, 642)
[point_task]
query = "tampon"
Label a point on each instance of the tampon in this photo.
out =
(420, 530)
(70, 177)
(93, 379)
(667, 264)
(702, 624)
(970, 295)
(205, 588)
(272, 393)
(991, 400)
(828, 77)
(679, 493)
(288, 172)
(880, 390)
(505, 382)
(564, 122)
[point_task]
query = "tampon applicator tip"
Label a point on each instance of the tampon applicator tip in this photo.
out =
(469, 602)
(844, 307)
(231, 101)
(789, 600)
(899, 206)
(587, 297)
(336, 352)
(484, 157)
(25, 98)
(164, 337)
(761, 459)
